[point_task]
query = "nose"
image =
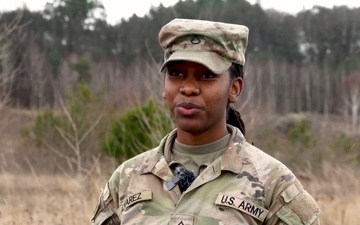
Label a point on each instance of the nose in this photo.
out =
(190, 87)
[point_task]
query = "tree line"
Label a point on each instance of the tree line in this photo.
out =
(304, 62)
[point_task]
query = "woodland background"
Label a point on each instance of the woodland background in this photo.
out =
(66, 75)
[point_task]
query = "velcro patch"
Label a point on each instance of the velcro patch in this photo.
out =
(290, 193)
(138, 197)
(242, 205)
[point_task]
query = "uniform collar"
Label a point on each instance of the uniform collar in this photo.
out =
(156, 163)
(231, 160)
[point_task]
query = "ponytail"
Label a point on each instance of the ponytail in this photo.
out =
(234, 118)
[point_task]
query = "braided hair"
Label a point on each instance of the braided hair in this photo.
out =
(233, 116)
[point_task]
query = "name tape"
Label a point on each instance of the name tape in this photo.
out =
(242, 205)
(138, 197)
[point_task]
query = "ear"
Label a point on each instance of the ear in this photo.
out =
(235, 90)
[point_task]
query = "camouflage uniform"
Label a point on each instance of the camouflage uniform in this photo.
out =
(244, 186)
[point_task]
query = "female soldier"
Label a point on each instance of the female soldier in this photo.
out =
(204, 171)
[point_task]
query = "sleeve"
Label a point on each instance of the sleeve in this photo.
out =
(294, 206)
(105, 212)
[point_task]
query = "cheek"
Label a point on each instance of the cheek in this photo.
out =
(169, 87)
(169, 98)
(220, 98)
(224, 93)
(168, 92)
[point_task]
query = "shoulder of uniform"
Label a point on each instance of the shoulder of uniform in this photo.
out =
(298, 206)
(137, 162)
(266, 167)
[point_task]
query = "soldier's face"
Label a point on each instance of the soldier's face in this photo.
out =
(197, 98)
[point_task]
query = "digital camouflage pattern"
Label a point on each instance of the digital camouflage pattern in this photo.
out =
(244, 186)
(213, 44)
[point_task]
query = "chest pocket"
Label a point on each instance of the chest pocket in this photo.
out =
(243, 205)
(299, 208)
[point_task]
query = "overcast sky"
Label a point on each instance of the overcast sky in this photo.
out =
(117, 9)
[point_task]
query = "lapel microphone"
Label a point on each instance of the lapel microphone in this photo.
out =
(183, 178)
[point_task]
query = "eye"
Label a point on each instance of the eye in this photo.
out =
(174, 73)
(208, 75)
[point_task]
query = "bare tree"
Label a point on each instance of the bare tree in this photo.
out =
(37, 74)
(72, 130)
(7, 70)
(351, 98)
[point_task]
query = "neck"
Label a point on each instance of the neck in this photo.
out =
(201, 138)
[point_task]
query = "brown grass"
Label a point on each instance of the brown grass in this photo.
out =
(30, 199)
(336, 191)
(45, 199)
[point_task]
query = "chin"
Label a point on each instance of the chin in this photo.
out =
(190, 128)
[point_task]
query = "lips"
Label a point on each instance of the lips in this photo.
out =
(188, 108)
(188, 105)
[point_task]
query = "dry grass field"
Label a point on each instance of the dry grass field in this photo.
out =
(58, 200)
(338, 195)
(29, 196)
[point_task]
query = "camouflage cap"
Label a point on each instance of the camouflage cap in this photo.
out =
(213, 44)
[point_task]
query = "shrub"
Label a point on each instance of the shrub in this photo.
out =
(300, 135)
(138, 130)
(343, 143)
(347, 147)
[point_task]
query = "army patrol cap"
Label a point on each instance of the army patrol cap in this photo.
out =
(215, 45)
